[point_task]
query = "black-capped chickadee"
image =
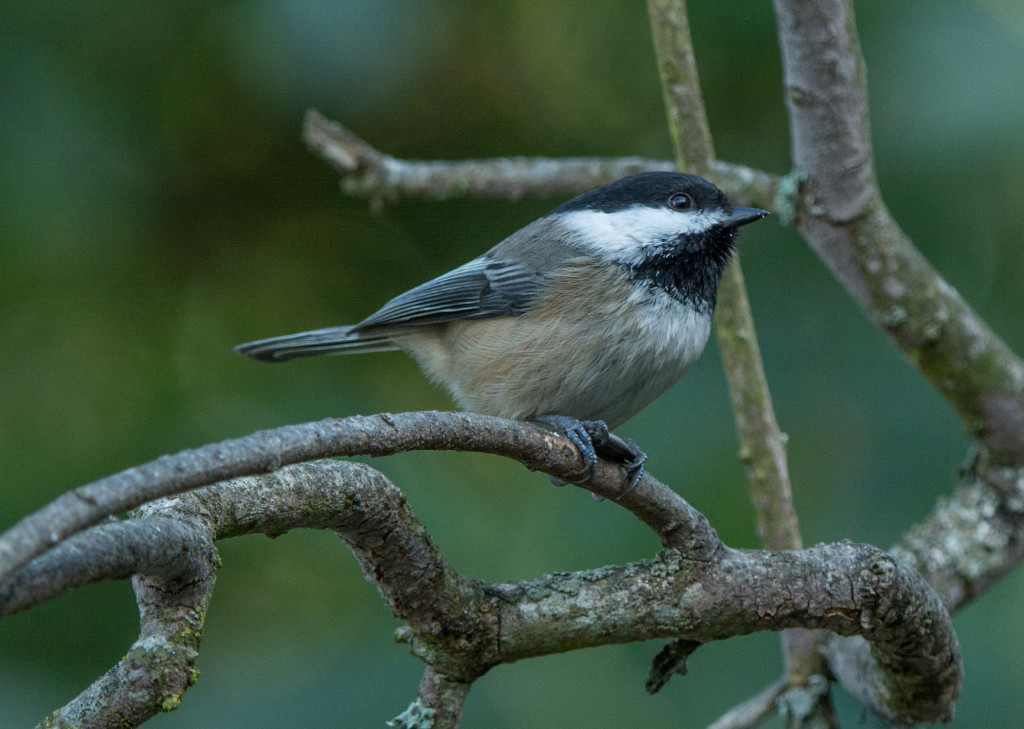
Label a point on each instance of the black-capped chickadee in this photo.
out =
(579, 320)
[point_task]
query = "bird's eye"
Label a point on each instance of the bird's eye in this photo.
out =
(680, 201)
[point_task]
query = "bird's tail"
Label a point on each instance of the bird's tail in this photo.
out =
(332, 340)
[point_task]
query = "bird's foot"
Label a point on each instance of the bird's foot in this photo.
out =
(586, 435)
(593, 438)
(634, 464)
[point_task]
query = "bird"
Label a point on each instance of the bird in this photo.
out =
(577, 321)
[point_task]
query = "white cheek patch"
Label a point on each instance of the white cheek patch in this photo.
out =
(627, 235)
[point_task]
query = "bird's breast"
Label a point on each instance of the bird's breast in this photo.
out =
(595, 346)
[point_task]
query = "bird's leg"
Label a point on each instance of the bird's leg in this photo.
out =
(592, 437)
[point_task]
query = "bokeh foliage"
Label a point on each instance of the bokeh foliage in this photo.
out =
(157, 206)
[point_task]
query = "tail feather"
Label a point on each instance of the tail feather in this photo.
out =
(332, 340)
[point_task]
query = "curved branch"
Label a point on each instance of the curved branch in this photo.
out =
(378, 435)
(762, 443)
(847, 224)
(463, 627)
(158, 668)
(362, 506)
(846, 588)
(163, 549)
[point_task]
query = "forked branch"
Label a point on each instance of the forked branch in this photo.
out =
(699, 590)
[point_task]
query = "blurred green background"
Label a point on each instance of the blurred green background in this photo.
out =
(157, 207)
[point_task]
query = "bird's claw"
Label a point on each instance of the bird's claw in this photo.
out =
(635, 467)
(623, 450)
(592, 437)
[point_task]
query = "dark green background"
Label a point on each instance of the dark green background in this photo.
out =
(157, 207)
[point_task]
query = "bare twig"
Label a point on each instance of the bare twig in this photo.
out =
(763, 452)
(762, 444)
(367, 172)
(680, 85)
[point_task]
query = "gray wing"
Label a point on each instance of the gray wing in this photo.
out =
(485, 287)
(498, 283)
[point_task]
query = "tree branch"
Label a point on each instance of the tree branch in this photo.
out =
(163, 549)
(971, 539)
(378, 435)
(369, 173)
(844, 219)
(680, 85)
(158, 668)
(752, 711)
(445, 696)
(462, 627)
(845, 588)
(762, 444)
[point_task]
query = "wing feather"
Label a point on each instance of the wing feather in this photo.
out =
(483, 288)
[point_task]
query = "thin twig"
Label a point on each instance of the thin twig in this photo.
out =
(369, 173)
(762, 444)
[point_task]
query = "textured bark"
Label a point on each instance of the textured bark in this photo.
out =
(845, 221)
(163, 549)
(973, 538)
(372, 174)
(157, 669)
(698, 590)
(762, 443)
(268, 450)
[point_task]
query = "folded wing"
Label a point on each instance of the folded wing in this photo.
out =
(483, 288)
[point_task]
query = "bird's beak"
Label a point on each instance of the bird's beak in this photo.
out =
(742, 216)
